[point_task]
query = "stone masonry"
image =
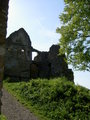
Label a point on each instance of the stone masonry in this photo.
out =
(51, 64)
(19, 63)
(18, 55)
(3, 26)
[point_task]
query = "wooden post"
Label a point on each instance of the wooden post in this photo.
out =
(3, 26)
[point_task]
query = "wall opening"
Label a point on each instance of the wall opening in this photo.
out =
(34, 54)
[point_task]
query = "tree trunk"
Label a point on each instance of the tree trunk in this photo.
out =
(3, 26)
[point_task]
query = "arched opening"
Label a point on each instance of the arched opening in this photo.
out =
(34, 54)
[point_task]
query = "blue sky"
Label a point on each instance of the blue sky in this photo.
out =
(40, 18)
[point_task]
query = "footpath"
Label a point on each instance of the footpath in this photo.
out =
(13, 110)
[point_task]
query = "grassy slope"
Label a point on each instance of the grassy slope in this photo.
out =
(2, 117)
(55, 99)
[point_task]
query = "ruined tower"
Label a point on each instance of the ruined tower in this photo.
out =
(18, 55)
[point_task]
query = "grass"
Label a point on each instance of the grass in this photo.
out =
(55, 99)
(2, 117)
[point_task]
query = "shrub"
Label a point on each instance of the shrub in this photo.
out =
(56, 99)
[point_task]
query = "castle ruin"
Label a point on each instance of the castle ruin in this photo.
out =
(19, 63)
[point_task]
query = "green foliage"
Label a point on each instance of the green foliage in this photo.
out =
(75, 33)
(56, 99)
(2, 117)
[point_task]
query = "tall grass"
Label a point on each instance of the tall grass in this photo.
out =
(56, 99)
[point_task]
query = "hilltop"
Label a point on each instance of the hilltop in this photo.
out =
(54, 99)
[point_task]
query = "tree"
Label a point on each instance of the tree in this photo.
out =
(75, 33)
(3, 26)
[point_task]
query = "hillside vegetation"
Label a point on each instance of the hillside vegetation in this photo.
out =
(55, 99)
(2, 117)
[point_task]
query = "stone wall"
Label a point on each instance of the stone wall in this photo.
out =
(19, 63)
(51, 64)
(18, 55)
(3, 26)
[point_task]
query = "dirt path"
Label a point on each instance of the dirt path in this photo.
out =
(13, 110)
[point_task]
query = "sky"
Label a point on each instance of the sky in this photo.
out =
(40, 18)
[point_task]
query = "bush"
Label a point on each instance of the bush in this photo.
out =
(2, 117)
(57, 99)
